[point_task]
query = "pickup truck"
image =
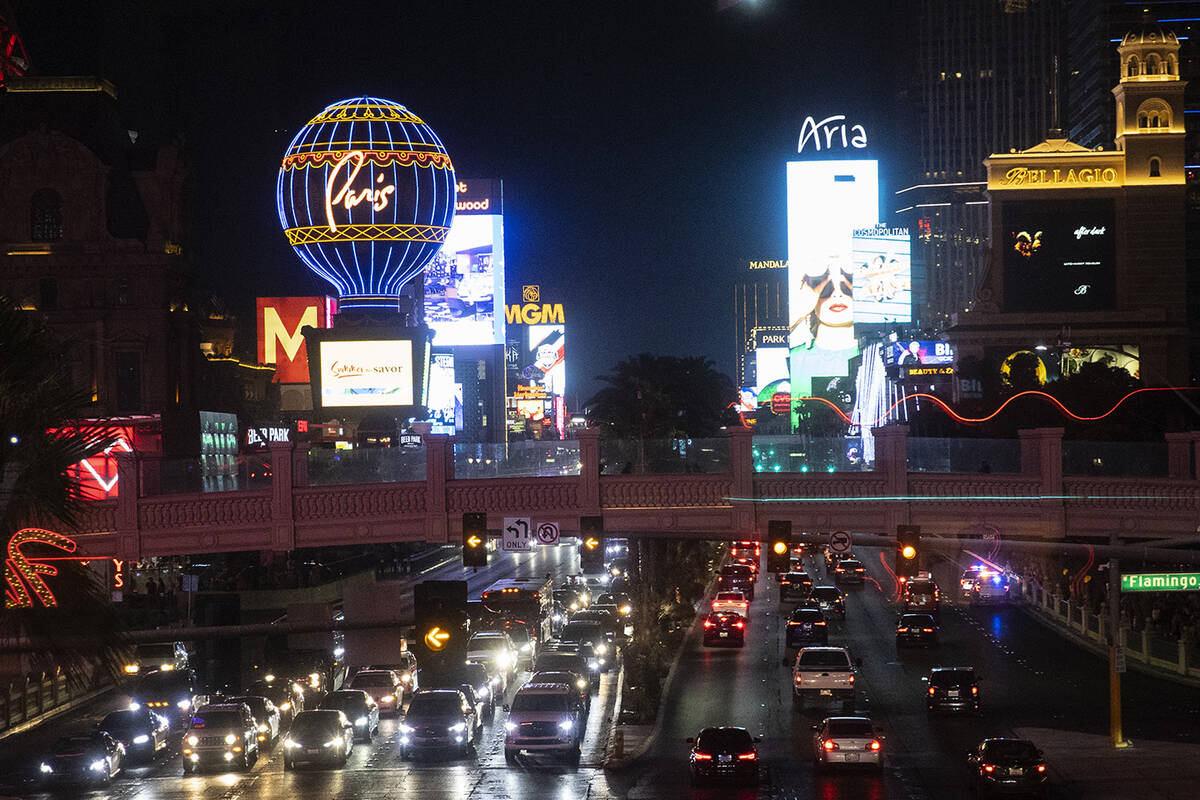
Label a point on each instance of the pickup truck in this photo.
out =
(823, 674)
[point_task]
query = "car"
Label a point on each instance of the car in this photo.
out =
(952, 689)
(1010, 766)
(622, 625)
(221, 734)
(572, 597)
(266, 717)
(476, 676)
(618, 568)
(794, 585)
(806, 626)
(319, 736)
(94, 757)
(916, 629)
(724, 627)
(145, 733)
(832, 558)
(553, 659)
(405, 668)
(594, 634)
(821, 673)
(288, 696)
(724, 753)
(746, 553)
(736, 578)
(544, 717)
(992, 587)
(606, 615)
(439, 719)
(622, 601)
(173, 694)
(847, 741)
(830, 599)
(496, 649)
(521, 640)
(849, 570)
(731, 601)
(580, 682)
(359, 707)
(968, 579)
(161, 656)
(384, 686)
(921, 594)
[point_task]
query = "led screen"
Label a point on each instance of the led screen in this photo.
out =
(464, 283)
(1059, 255)
(882, 275)
(445, 396)
(911, 354)
(546, 359)
(366, 373)
(770, 365)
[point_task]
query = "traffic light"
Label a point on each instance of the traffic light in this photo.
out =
(779, 545)
(591, 544)
(908, 551)
(442, 626)
(474, 539)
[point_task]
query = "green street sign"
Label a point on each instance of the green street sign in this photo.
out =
(1161, 582)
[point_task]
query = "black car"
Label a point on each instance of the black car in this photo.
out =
(806, 626)
(830, 600)
(794, 585)
(952, 689)
(288, 697)
(318, 736)
(724, 628)
(476, 676)
(849, 570)
(594, 634)
(736, 578)
(89, 758)
(916, 629)
(170, 693)
(724, 753)
(1011, 766)
(564, 660)
(358, 707)
(143, 732)
(221, 734)
(439, 719)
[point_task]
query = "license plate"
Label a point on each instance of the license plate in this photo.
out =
(952, 693)
(1016, 772)
(724, 759)
(852, 756)
(313, 752)
(827, 692)
(724, 634)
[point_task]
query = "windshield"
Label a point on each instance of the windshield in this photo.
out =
(860, 728)
(435, 704)
(824, 658)
(531, 701)
(952, 677)
(163, 682)
(826, 593)
(735, 571)
(1011, 749)
(75, 744)
(554, 677)
(121, 719)
(807, 615)
(155, 652)
(558, 661)
(736, 596)
(732, 740)
(581, 631)
(309, 722)
(920, 587)
(258, 706)
(487, 643)
(218, 719)
(371, 679)
(344, 701)
(917, 620)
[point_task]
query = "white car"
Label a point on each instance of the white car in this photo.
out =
(544, 717)
(734, 602)
(494, 649)
(847, 741)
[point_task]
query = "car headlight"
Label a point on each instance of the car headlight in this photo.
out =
(184, 705)
(46, 768)
(290, 743)
(135, 706)
(141, 738)
(581, 683)
(574, 606)
(593, 665)
(193, 741)
(525, 648)
(601, 649)
(404, 728)
(510, 726)
(314, 680)
(388, 698)
(406, 678)
(626, 609)
(557, 618)
(483, 691)
(97, 766)
(268, 677)
(338, 652)
(360, 721)
(332, 743)
(230, 738)
(566, 725)
(284, 706)
(132, 669)
(458, 727)
(166, 667)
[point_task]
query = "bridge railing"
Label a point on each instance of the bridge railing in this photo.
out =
(664, 456)
(1132, 459)
(531, 459)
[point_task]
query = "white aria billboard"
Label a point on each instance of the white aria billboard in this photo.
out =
(367, 373)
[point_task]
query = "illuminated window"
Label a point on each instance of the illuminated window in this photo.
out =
(45, 216)
(1155, 168)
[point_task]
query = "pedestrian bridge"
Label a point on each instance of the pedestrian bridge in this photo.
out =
(1037, 487)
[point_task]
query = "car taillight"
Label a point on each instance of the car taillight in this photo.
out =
(702, 756)
(799, 679)
(739, 624)
(852, 679)
(747, 756)
(1041, 767)
(974, 690)
(793, 622)
(874, 745)
(932, 691)
(829, 744)
(926, 630)
(822, 622)
(988, 768)
(901, 630)
(708, 623)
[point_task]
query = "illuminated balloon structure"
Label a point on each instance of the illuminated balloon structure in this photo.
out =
(366, 196)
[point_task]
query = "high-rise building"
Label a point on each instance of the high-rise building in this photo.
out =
(983, 83)
(760, 304)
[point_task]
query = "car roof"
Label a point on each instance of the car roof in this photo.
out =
(824, 649)
(544, 688)
(952, 669)
(208, 709)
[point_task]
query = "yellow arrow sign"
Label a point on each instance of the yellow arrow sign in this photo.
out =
(436, 638)
(591, 543)
(474, 541)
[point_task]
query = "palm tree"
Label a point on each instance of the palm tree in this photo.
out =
(664, 397)
(38, 443)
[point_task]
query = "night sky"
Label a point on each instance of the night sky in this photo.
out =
(642, 145)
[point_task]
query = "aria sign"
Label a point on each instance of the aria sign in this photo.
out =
(831, 132)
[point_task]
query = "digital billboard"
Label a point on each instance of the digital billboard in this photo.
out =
(464, 282)
(882, 275)
(1059, 255)
(280, 340)
(910, 354)
(535, 358)
(366, 373)
(445, 403)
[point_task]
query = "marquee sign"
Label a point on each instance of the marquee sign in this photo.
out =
(831, 132)
(365, 195)
(25, 575)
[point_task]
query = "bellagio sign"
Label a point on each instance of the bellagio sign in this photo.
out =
(280, 340)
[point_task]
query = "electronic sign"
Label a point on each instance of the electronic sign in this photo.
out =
(464, 282)
(281, 321)
(911, 354)
(445, 402)
(366, 373)
(1059, 255)
(882, 275)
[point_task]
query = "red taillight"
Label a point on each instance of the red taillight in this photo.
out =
(874, 745)
(852, 679)
(829, 744)
(739, 624)
(901, 630)
(702, 756)
(974, 690)
(1041, 767)
(708, 623)
(932, 691)
(822, 622)
(988, 768)
(747, 756)
(926, 630)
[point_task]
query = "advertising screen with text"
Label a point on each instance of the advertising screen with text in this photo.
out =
(1059, 255)
(366, 373)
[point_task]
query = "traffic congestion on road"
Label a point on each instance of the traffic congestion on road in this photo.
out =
(830, 679)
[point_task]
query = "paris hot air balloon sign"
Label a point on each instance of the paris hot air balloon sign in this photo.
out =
(366, 196)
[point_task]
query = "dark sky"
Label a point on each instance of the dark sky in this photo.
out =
(642, 145)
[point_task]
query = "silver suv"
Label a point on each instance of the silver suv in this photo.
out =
(544, 717)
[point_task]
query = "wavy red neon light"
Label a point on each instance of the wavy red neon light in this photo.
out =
(950, 412)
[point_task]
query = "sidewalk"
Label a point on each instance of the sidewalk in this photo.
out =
(1085, 765)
